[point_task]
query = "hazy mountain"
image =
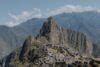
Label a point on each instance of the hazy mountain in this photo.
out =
(86, 22)
(8, 40)
(53, 46)
(31, 26)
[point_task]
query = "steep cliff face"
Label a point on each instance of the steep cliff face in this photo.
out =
(62, 37)
(79, 41)
(25, 49)
(54, 45)
(50, 30)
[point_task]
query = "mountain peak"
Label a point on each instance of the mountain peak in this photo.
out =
(48, 26)
(54, 44)
(26, 47)
(59, 36)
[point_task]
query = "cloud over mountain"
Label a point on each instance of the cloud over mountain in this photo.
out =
(38, 13)
(69, 9)
(24, 15)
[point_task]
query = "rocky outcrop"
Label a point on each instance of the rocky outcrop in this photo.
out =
(62, 37)
(26, 48)
(54, 46)
(50, 30)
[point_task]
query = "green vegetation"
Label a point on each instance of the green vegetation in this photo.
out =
(35, 45)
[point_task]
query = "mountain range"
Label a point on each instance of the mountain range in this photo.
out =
(53, 46)
(85, 22)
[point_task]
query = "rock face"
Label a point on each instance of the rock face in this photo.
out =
(26, 48)
(52, 47)
(50, 30)
(62, 37)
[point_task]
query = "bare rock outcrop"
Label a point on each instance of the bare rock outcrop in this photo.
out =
(57, 35)
(54, 46)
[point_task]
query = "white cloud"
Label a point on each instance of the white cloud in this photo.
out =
(11, 23)
(17, 19)
(37, 13)
(13, 16)
(69, 9)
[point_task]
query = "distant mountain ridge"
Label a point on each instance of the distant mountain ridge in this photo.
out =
(86, 22)
(52, 45)
(8, 40)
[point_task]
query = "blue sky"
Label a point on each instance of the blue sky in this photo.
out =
(13, 12)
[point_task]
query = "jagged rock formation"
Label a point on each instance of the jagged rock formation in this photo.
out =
(26, 48)
(52, 47)
(59, 36)
(87, 22)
